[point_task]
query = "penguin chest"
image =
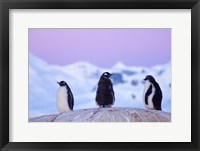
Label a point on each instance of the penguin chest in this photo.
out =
(62, 100)
(148, 95)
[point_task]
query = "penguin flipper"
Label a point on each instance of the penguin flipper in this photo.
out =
(113, 95)
(100, 95)
(70, 100)
(149, 91)
(157, 99)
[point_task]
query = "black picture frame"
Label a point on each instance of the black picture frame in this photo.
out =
(5, 5)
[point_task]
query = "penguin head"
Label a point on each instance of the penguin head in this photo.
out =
(106, 75)
(62, 83)
(149, 78)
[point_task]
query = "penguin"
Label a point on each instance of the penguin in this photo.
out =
(152, 95)
(65, 99)
(105, 96)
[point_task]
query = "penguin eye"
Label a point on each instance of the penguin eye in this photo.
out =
(107, 74)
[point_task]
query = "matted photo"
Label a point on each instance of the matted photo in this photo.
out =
(99, 74)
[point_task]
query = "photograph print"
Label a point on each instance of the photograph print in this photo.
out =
(99, 74)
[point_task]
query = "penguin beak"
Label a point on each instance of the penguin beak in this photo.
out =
(58, 83)
(111, 74)
(145, 79)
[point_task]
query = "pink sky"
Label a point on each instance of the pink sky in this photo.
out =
(102, 47)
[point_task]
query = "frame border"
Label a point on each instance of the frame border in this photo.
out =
(5, 5)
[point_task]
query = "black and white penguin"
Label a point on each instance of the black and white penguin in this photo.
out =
(105, 96)
(65, 99)
(152, 95)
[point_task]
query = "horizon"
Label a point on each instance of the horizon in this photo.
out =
(117, 63)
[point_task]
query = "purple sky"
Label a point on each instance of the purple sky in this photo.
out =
(102, 47)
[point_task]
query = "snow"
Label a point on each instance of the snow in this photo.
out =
(82, 77)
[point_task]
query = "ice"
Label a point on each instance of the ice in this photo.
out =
(82, 78)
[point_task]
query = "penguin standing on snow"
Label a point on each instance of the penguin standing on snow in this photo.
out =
(152, 95)
(105, 96)
(65, 99)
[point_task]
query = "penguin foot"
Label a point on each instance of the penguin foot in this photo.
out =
(105, 106)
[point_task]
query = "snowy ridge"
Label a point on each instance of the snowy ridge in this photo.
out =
(82, 77)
